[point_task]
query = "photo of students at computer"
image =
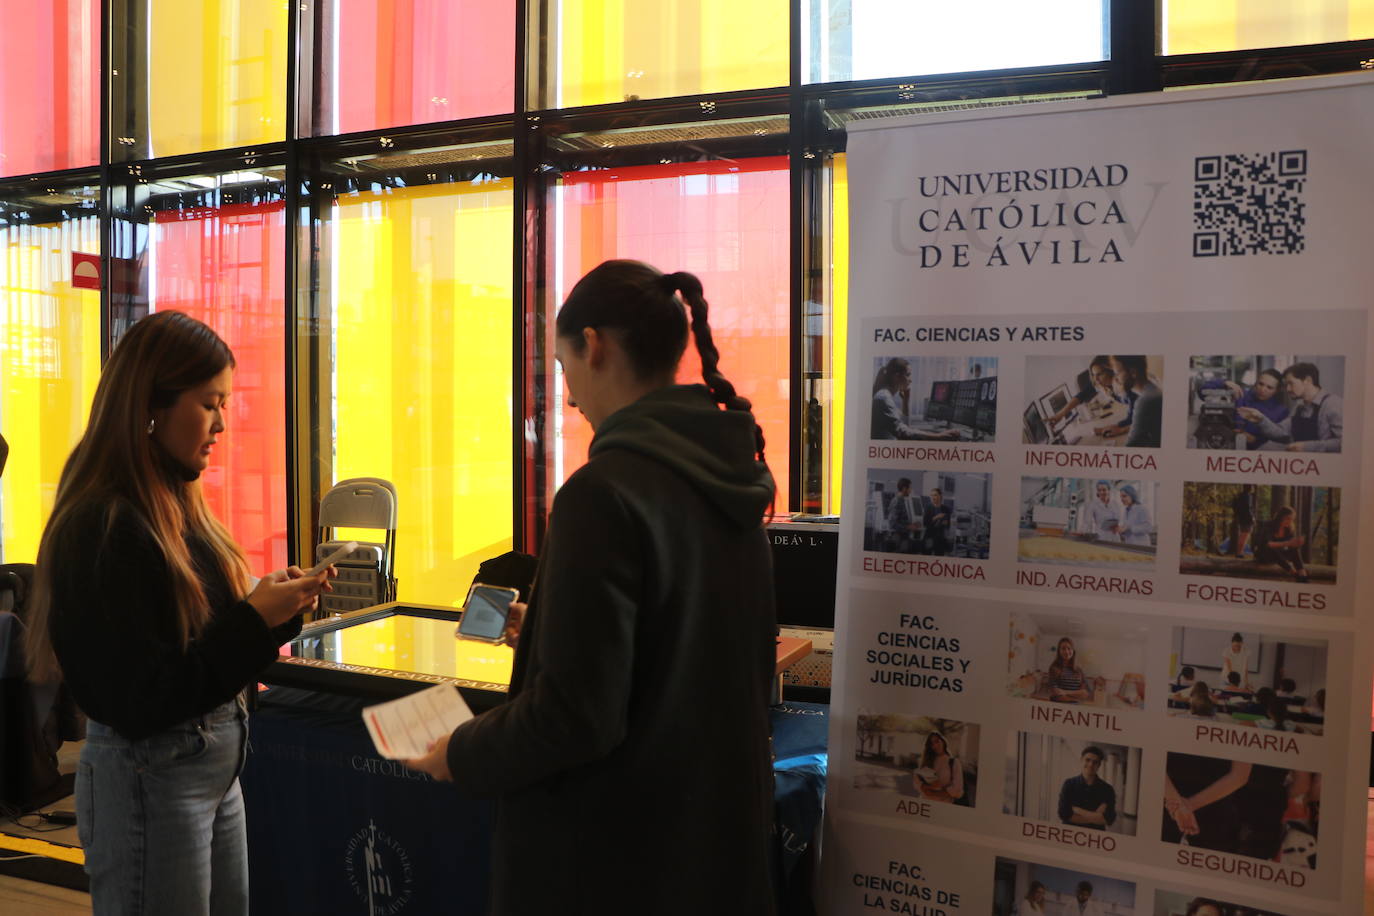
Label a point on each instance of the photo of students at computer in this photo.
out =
(935, 398)
(1260, 531)
(1247, 809)
(1278, 403)
(1031, 889)
(1077, 782)
(1105, 523)
(1093, 400)
(1098, 661)
(1180, 903)
(918, 757)
(1253, 680)
(937, 513)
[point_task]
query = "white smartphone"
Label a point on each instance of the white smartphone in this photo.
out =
(333, 558)
(485, 613)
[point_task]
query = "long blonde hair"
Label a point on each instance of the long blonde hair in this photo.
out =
(118, 463)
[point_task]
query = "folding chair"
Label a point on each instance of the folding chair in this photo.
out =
(367, 576)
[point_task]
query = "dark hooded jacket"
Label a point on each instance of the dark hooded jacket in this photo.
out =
(631, 759)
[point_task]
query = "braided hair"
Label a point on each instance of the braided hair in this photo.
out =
(641, 304)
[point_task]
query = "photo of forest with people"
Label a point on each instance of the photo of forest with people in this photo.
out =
(1261, 531)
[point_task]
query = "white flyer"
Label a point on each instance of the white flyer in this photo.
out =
(406, 728)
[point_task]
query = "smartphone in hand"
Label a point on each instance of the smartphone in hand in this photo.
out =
(343, 551)
(485, 612)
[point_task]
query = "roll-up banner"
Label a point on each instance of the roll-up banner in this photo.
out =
(1103, 620)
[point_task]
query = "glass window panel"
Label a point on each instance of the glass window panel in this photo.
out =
(387, 63)
(191, 77)
(1199, 26)
(49, 354)
(415, 317)
(726, 222)
(839, 317)
(226, 267)
(49, 86)
(824, 335)
(616, 50)
(876, 39)
(213, 246)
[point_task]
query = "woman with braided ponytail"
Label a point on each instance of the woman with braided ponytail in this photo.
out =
(631, 760)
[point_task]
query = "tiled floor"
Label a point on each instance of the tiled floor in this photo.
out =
(22, 898)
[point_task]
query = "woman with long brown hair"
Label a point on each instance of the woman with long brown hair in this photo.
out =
(1200, 703)
(1067, 680)
(891, 398)
(940, 775)
(145, 605)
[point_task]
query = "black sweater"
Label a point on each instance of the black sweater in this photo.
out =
(632, 758)
(113, 626)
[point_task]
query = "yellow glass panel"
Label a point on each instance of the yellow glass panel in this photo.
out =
(614, 50)
(839, 317)
(373, 645)
(422, 645)
(1200, 26)
(49, 366)
(217, 74)
(422, 357)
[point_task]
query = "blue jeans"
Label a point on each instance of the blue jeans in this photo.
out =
(161, 818)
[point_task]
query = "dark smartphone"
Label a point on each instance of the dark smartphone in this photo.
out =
(485, 612)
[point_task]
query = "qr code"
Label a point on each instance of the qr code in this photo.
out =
(1249, 203)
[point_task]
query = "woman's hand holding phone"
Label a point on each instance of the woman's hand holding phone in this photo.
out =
(511, 634)
(491, 614)
(285, 593)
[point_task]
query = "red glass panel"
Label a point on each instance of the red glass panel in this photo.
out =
(49, 86)
(726, 222)
(398, 62)
(226, 266)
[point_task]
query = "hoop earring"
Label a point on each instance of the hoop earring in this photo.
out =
(151, 424)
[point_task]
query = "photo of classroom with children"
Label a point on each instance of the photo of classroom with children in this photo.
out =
(1260, 531)
(1031, 889)
(1076, 782)
(1246, 809)
(1093, 400)
(917, 757)
(935, 398)
(934, 513)
(1178, 903)
(1090, 662)
(1103, 523)
(1249, 679)
(1276, 403)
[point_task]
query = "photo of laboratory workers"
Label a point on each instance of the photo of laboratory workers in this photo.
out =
(1292, 403)
(1030, 889)
(935, 513)
(917, 757)
(1093, 400)
(935, 397)
(1103, 523)
(1178, 903)
(1089, 662)
(1249, 679)
(1072, 781)
(1246, 809)
(1260, 531)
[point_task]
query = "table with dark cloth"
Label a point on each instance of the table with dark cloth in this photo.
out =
(332, 827)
